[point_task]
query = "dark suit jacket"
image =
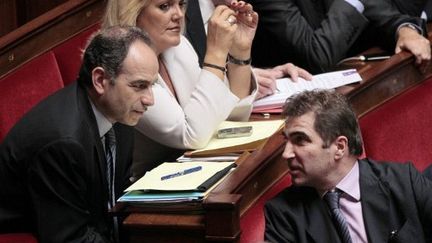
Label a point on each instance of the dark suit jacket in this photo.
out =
(393, 197)
(53, 171)
(317, 34)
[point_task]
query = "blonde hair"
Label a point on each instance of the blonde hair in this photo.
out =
(123, 12)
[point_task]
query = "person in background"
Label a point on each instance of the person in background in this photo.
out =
(190, 102)
(335, 196)
(197, 16)
(318, 34)
(59, 171)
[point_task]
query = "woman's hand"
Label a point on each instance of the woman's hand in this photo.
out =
(247, 22)
(221, 32)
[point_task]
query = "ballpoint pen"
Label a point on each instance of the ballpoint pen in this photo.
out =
(180, 173)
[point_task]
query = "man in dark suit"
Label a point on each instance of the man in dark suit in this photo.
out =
(317, 34)
(198, 14)
(379, 202)
(53, 165)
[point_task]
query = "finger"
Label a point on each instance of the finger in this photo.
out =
(304, 74)
(267, 73)
(264, 91)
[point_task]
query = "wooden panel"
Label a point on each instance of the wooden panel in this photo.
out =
(8, 21)
(47, 31)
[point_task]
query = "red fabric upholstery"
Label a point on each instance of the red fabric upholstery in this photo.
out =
(401, 129)
(69, 54)
(252, 223)
(24, 88)
(17, 238)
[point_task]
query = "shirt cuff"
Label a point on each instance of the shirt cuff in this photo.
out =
(356, 4)
(412, 26)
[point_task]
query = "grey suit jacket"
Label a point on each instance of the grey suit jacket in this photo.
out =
(318, 34)
(396, 202)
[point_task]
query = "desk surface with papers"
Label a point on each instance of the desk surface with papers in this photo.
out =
(217, 218)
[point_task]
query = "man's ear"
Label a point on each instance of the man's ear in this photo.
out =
(98, 78)
(341, 144)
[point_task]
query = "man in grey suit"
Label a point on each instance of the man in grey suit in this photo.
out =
(379, 202)
(317, 34)
(59, 171)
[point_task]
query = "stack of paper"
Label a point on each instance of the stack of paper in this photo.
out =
(261, 131)
(286, 87)
(177, 182)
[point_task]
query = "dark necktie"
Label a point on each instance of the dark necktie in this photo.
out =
(332, 199)
(110, 152)
(195, 31)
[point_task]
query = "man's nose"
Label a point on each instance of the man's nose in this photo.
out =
(288, 152)
(147, 98)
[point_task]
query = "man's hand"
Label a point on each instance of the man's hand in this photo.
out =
(410, 40)
(267, 77)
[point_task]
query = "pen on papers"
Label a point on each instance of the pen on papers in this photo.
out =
(180, 173)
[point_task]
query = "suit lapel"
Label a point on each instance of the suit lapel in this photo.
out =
(378, 211)
(321, 227)
(195, 31)
(84, 104)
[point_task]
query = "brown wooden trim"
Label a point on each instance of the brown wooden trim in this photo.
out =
(47, 31)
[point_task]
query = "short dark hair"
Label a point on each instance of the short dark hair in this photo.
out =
(108, 49)
(333, 116)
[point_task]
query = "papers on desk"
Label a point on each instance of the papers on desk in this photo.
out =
(261, 131)
(168, 183)
(286, 88)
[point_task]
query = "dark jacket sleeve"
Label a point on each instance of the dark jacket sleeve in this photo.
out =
(303, 32)
(59, 191)
(275, 230)
(288, 33)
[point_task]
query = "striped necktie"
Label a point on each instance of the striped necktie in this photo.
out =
(332, 199)
(110, 152)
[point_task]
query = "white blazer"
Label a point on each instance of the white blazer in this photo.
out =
(204, 101)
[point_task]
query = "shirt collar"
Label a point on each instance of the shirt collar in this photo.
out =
(350, 183)
(206, 8)
(104, 125)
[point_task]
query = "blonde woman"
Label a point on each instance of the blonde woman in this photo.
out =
(190, 102)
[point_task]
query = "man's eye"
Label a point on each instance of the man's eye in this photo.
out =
(139, 86)
(298, 140)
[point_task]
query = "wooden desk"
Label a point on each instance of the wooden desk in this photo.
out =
(218, 217)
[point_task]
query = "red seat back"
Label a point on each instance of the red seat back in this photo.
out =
(17, 238)
(25, 87)
(401, 128)
(69, 54)
(252, 223)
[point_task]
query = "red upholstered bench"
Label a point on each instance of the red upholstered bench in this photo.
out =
(252, 223)
(17, 238)
(401, 128)
(26, 86)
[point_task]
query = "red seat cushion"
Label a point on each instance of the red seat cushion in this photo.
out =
(69, 54)
(252, 222)
(401, 128)
(17, 238)
(25, 87)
